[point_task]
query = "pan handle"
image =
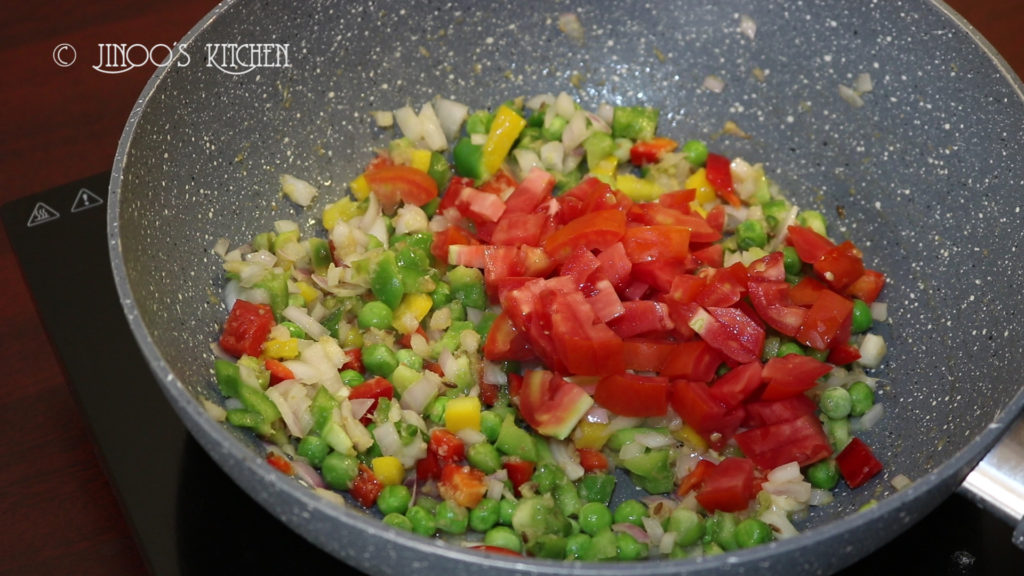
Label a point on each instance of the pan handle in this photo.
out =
(997, 483)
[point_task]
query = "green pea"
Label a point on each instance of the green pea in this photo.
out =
(629, 548)
(835, 403)
(314, 449)
(577, 546)
(398, 521)
(595, 517)
(862, 319)
(687, 525)
(423, 522)
(484, 516)
(789, 347)
(503, 537)
(339, 470)
(823, 474)
(394, 499)
(485, 456)
(603, 546)
(351, 377)
(791, 261)
(751, 234)
(451, 517)
(862, 398)
(721, 530)
(490, 425)
(506, 510)
(631, 511)
(409, 358)
(375, 314)
(838, 432)
(379, 359)
(752, 532)
(695, 152)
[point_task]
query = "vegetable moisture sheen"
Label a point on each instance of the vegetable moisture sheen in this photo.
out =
(480, 340)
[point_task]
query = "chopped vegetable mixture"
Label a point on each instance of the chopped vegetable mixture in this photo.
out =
(481, 339)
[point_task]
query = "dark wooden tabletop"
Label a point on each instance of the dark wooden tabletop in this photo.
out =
(58, 514)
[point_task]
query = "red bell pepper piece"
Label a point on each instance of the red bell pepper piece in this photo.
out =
(857, 463)
(246, 328)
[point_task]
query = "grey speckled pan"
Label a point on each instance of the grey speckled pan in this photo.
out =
(928, 175)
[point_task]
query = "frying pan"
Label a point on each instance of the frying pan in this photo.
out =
(926, 177)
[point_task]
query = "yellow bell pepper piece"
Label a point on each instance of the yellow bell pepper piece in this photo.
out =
(342, 210)
(309, 294)
(388, 470)
(605, 169)
(699, 182)
(360, 187)
(691, 438)
(420, 159)
(410, 312)
(505, 128)
(637, 188)
(592, 435)
(285, 349)
(462, 413)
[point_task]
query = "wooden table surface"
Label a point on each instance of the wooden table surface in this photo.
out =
(59, 514)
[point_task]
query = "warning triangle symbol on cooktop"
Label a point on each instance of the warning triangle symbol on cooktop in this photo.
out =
(85, 199)
(42, 213)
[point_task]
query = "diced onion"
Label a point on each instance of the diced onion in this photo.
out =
(220, 248)
(567, 458)
(869, 419)
(308, 474)
(872, 350)
(714, 83)
(820, 497)
(383, 118)
(862, 83)
(900, 481)
(451, 114)
(313, 329)
(654, 439)
(409, 123)
(432, 133)
(850, 96)
(633, 530)
(569, 23)
(417, 396)
(748, 27)
(214, 411)
(298, 191)
(879, 311)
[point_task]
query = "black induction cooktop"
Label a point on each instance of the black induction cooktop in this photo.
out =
(187, 515)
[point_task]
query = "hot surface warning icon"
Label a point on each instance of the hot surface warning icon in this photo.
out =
(85, 199)
(42, 213)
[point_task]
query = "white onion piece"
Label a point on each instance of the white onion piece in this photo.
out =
(780, 524)
(654, 439)
(576, 131)
(797, 490)
(633, 530)
(900, 481)
(667, 543)
(417, 396)
(360, 406)
(495, 488)
(786, 473)
(569, 23)
(567, 458)
(597, 415)
(214, 411)
(451, 114)
(409, 123)
(308, 474)
(654, 529)
(383, 118)
(748, 27)
(388, 440)
(872, 350)
(879, 311)
(863, 83)
(820, 497)
(291, 419)
(470, 436)
(433, 134)
(297, 190)
(868, 420)
(631, 450)
(606, 112)
(537, 101)
(565, 106)
(714, 83)
(313, 329)
(850, 96)
(552, 155)
(220, 247)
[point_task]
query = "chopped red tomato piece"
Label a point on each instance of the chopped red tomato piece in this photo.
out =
(535, 188)
(246, 328)
(840, 266)
(827, 323)
(694, 403)
(641, 317)
(593, 231)
(647, 354)
(633, 395)
(801, 440)
(375, 389)
(692, 360)
(505, 342)
(867, 287)
(519, 471)
(720, 177)
(366, 487)
(791, 375)
(737, 385)
(278, 371)
(693, 480)
(593, 460)
(810, 246)
(463, 485)
(775, 306)
(857, 463)
(764, 412)
(650, 151)
(658, 242)
(550, 404)
(729, 486)
(281, 463)
(393, 183)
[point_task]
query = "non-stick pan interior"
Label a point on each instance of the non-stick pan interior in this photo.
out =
(926, 177)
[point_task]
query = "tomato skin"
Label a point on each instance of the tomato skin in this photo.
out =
(840, 266)
(843, 354)
(730, 331)
(826, 321)
(593, 230)
(800, 440)
(729, 486)
(520, 229)
(737, 385)
(393, 183)
(694, 403)
(857, 463)
(774, 305)
(463, 485)
(633, 394)
(614, 264)
(641, 317)
(810, 246)
(656, 242)
(791, 375)
(519, 471)
(451, 236)
(550, 404)
(593, 460)
(535, 188)
(764, 412)
(867, 287)
(647, 354)
(246, 328)
(695, 477)
(505, 342)
(692, 360)
(366, 487)
(720, 177)
(650, 151)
